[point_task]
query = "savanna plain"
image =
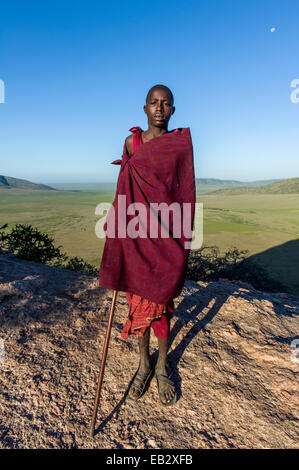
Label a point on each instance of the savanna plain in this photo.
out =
(267, 225)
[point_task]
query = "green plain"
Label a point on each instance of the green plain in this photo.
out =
(265, 224)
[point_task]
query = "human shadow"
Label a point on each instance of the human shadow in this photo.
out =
(282, 263)
(182, 314)
(117, 408)
(196, 299)
(189, 311)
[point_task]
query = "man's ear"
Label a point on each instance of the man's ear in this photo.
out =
(144, 108)
(173, 110)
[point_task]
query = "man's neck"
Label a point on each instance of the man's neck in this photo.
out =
(152, 132)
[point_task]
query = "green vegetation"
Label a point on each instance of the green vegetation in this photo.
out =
(208, 185)
(232, 183)
(205, 264)
(29, 243)
(266, 225)
(67, 216)
(287, 186)
(26, 242)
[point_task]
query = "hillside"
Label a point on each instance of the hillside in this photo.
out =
(230, 349)
(232, 183)
(287, 186)
(7, 182)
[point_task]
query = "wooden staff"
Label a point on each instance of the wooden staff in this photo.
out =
(103, 362)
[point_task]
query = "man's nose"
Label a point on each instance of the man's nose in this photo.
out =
(159, 105)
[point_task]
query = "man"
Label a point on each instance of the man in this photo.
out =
(152, 171)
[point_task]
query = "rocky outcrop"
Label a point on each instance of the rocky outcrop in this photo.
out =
(231, 349)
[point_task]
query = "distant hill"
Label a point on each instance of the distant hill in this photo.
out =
(286, 186)
(7, 182)
(232, 183)
(98, 187)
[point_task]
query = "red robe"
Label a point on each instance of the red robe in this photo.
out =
(144, 312)
(159, 171)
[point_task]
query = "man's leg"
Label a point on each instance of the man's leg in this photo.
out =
(144, 366)
(168, 391)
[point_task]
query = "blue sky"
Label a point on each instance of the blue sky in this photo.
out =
(76, 75)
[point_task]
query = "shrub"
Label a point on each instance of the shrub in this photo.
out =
(79, 265)
(30, 244)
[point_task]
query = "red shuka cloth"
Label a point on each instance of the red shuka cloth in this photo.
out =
(159, 171)
(144, 312)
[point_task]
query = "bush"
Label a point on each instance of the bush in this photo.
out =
(29, 243)
(79, 265)
(207, 264)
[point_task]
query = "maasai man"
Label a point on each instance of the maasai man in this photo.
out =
(146, 313)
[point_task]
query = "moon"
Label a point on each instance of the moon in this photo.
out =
(272, 30)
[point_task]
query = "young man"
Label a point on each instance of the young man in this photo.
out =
(157, 167)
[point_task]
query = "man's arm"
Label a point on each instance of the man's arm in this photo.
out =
(129, 144)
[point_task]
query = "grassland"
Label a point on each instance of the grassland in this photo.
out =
(286, 186)
(68, 216)
(265, 224)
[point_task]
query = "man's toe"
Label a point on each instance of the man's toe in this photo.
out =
(167, 396)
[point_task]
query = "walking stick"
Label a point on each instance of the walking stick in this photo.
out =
(103, 362)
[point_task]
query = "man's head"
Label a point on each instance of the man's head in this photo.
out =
(159, 106)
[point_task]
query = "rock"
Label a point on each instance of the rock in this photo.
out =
(232, 348)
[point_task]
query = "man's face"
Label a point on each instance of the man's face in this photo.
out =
(158, 108)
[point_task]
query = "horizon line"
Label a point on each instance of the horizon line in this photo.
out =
(197, 178)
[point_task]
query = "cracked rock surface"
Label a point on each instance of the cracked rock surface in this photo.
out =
(232, 349)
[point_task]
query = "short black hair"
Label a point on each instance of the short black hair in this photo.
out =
(160, 86)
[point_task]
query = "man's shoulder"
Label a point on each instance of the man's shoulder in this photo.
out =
(129, 138)
(129, 143)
